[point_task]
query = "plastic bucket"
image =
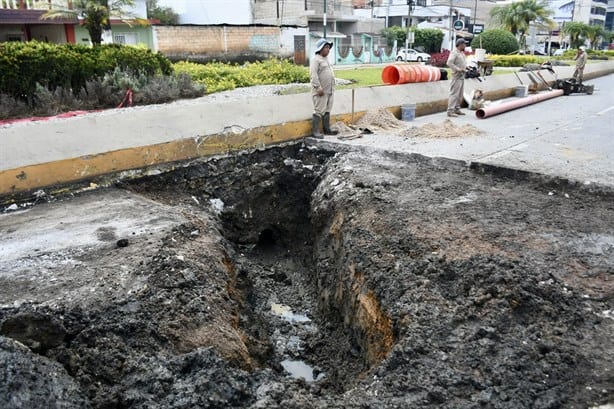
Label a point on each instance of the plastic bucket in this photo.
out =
(480, 54)
(522, 91)
(408, 112)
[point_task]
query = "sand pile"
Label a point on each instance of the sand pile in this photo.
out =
(380, 119)
(446, 129)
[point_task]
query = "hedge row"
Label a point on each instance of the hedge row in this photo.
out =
(516, 60)
(221, 76)
(69, 66)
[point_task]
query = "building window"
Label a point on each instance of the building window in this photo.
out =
(125, 38)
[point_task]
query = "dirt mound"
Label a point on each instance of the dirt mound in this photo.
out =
(380, 119)
(446, 129)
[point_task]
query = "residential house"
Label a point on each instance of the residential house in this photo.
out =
(20, 20)
(432, 14)
(338, 22)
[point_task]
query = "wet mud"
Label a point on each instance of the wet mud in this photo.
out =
(302, 277)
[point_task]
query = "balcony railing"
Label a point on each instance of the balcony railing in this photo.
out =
(34, 4)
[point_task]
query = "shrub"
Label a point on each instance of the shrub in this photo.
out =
(516, 60)
(23, 65)
(220, 76)
(440, 59)
(496, 41)
(105, 92)
(429, 39)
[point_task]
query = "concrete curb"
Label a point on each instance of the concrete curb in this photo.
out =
(84, 148)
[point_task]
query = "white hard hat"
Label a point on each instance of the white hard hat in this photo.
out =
(321, 43)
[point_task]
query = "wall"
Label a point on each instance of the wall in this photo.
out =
(282, 12)
(226, 42)
(49, 33)
(144, 34)
(11, 30)
(211, 11)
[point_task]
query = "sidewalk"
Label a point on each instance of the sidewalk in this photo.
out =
(60, 151)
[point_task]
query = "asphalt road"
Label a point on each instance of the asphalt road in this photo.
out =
(569, 136)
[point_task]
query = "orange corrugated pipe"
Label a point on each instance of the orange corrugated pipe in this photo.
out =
(408, 73)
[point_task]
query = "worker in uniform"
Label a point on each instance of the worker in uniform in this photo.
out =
(322, 88)
(458, 64)
(580, 64)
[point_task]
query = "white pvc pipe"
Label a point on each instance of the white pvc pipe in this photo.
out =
(518, 103)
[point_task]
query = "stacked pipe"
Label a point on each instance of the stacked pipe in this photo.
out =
(406, 73)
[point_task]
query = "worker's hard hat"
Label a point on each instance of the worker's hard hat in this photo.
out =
(582, 48)
(321, 43)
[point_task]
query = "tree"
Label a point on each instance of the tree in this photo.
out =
(428, 39)
(166, 15)
(395, 33)
(577, 33)
(496, 41)
(594, 34)
(517, 17)
(96, 14)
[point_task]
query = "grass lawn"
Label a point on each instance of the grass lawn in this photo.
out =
(366, 77)
(361, 77)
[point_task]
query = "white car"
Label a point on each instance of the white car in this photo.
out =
(558, 52)
(412, 55)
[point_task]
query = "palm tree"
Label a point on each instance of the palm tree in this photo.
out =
(96, 14)
(517, 17)
(577, 33)
(593, 33)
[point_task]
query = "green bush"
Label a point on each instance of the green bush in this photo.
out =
(515, 60)
(23, 65)
(221, 76)
(496, 42)
(429, 39)
(107, 91)
(592, 54)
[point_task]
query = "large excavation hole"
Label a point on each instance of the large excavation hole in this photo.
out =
(288, 320)
(288, 278)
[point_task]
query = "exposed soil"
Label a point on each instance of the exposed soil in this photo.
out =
(298, 277)
(380, 119)
(446, 129)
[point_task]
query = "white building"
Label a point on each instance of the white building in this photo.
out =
(591, 12)
(206, 12)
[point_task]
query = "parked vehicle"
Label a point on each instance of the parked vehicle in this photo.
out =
(412, 55)
(559, 52)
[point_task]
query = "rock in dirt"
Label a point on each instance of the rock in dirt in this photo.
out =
(30, 381)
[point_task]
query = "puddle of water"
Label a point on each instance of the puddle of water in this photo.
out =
(299, 369)
(286, 313)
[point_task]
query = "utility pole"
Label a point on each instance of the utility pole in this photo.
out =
(410, 5)
(388, 12)
(324, 20)
(450, 32)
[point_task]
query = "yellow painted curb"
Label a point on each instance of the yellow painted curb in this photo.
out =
(66, 171)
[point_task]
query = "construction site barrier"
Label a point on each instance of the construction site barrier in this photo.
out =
(408, 73)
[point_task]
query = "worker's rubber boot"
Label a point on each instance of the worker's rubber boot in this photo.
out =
(315, 127)
(326, 122)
